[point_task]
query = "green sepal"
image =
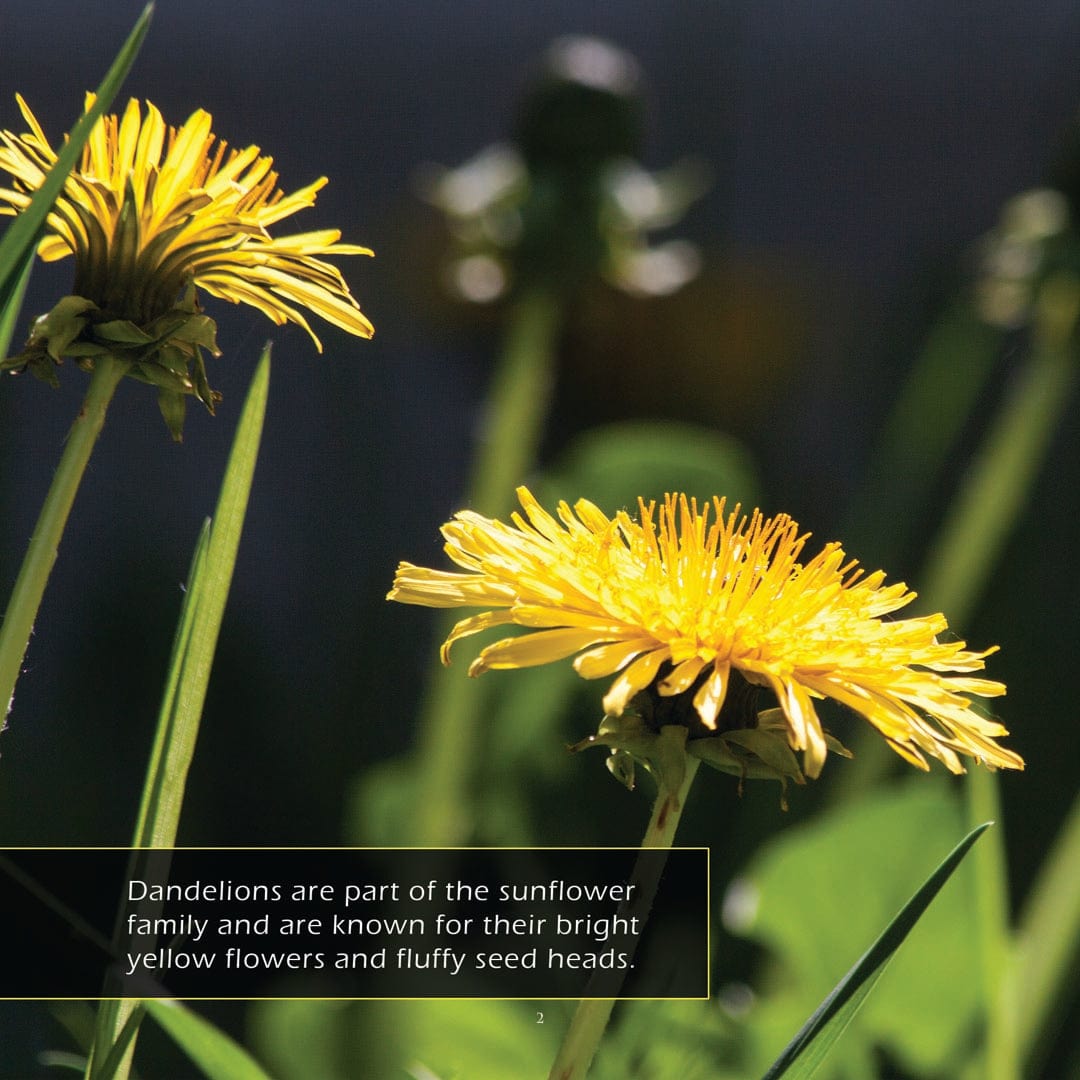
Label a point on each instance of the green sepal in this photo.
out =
(80, 350)
(166, 352)
(61, 326)
(46, 372)
(173, 406)
(769, 748)
(630, 741)
(122, 332)
(621, 765)
(198, 330)
(202, 388)
(162, 376)
(52, 337)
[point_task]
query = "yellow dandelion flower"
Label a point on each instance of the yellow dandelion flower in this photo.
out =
(153, 212)
(693, 602)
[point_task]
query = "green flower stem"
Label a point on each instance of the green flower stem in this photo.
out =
(1001, 1053)
(29, 588)
(590, 1020)
(513, 422)
(517, 404)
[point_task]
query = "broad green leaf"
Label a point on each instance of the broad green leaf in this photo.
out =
(476, 1040)
(217, 1055)
(669, 1040)
(615, 465)
(408, 1040)
(304, 1037)
(22, 235)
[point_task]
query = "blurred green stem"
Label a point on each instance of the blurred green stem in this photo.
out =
(513, 420)
(938, 396)
(518, 401)
(995, 491)
(25, 600)
(958, 566)
(992, 494)
(1001, 1054)
(590, 1020)
(1044, 956)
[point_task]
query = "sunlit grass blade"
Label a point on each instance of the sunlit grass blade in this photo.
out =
(9, 312)
(113, 1062)
(212, 1050)
(806, 1051)
(17, 248)
(189, 668)
(157, 791)
(22, 235)
(197, 633)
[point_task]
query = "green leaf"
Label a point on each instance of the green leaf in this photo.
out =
(669, 1040)
(217, 1055)
(476, 1040)
(805, 1053)
(22, 235)
(302, 1038)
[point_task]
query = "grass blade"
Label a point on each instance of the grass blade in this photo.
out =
(189, 667)
(212, 1050)
(119, 1050)
(197, 632)
(22, 235)
(802, 1056)
(9, 312)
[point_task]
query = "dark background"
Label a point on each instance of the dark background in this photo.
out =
(858, 151)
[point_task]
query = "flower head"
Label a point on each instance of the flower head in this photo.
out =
(690, 604)
(151, 214)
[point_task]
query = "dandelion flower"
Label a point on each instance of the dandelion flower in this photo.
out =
(153, 213)
(695, 604)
